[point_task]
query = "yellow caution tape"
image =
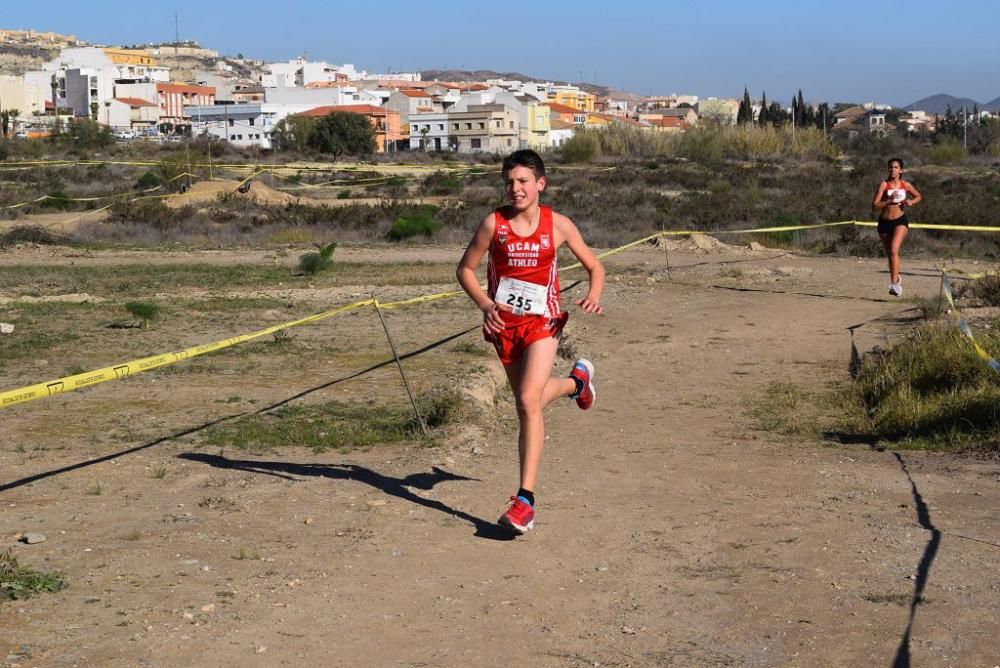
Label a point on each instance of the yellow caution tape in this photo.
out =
(125, 369)
(963, 326)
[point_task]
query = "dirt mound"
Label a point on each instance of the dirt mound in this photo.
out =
(207, 191)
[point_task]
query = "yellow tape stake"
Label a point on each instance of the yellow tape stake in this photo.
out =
(125, 369)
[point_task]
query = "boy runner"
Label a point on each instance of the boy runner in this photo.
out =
(521, 310)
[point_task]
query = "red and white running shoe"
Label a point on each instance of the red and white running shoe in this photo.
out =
(520, 516)
(583, 370)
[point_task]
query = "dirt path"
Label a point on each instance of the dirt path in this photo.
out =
(670, 532)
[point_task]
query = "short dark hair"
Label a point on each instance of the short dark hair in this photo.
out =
(892, 160)
(524, 158)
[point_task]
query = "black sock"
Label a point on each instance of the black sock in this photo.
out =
(579, 387)
(525, 494)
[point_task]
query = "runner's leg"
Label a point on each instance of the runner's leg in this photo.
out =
(896, 243)
(529, 379)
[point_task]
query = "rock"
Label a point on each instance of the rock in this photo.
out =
(6, 328)
(476, 450)
(32, 538)
(307, 520)
(628, 630)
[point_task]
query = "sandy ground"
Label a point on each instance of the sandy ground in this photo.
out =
(670, 531)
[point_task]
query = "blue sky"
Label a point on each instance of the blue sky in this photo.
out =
(846, 51)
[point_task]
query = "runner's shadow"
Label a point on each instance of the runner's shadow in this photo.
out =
(902, 659)
(397, 487)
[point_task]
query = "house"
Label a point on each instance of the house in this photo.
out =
(673, 124)
(567, 114)
(571, 96)
(408, 101)
(688, 114)
(598, 120)
(560, 132)
(240, 124)
(855, 121)
(533, 114)
(429, 131)
(132, 113)
(389, 135)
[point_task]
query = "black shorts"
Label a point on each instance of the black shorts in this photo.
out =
(889, 226)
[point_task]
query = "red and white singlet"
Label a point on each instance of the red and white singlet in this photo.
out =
(531, 259)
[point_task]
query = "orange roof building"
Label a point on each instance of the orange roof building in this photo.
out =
(388, 126)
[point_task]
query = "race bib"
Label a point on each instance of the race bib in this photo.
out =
(522, 297)
(896, 195)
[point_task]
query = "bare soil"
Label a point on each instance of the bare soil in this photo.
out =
(670, 531)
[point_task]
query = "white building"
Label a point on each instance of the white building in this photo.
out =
(300, 72)
(26, 94)
(310, 98)
(429, 132)
(240, 124)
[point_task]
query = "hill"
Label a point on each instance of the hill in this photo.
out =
(938, 104)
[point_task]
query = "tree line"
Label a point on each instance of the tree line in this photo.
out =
(800, 114)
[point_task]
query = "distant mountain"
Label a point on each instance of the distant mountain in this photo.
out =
(992, 104)
(938, 104)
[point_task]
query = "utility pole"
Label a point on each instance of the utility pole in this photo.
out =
(177, 33)
(965, 128)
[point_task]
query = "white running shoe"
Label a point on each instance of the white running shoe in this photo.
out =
(896, 289)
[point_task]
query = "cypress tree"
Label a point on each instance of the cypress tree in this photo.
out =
(763, 118)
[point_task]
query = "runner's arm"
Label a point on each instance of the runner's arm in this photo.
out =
(466, 274)
(592, 302)
(915, 198)
(879, 202)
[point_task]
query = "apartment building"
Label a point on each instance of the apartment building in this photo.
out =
(174, 99)
(487, 128)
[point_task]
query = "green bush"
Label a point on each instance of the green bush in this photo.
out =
(581, 147)
(420, 222)
(442, 183)
(147, 181)
(57, 199)
(947, 151)
(143, 311)
(313, 263)
(344, 194)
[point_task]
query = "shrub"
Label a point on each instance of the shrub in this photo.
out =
(932, 387)
(143, 311)
(441, 183)
(419, 222)
(581, 147)
(147, 181)
(987, 290)
(57, 199)
(313, 263)
(28, 234)
(946, 151)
